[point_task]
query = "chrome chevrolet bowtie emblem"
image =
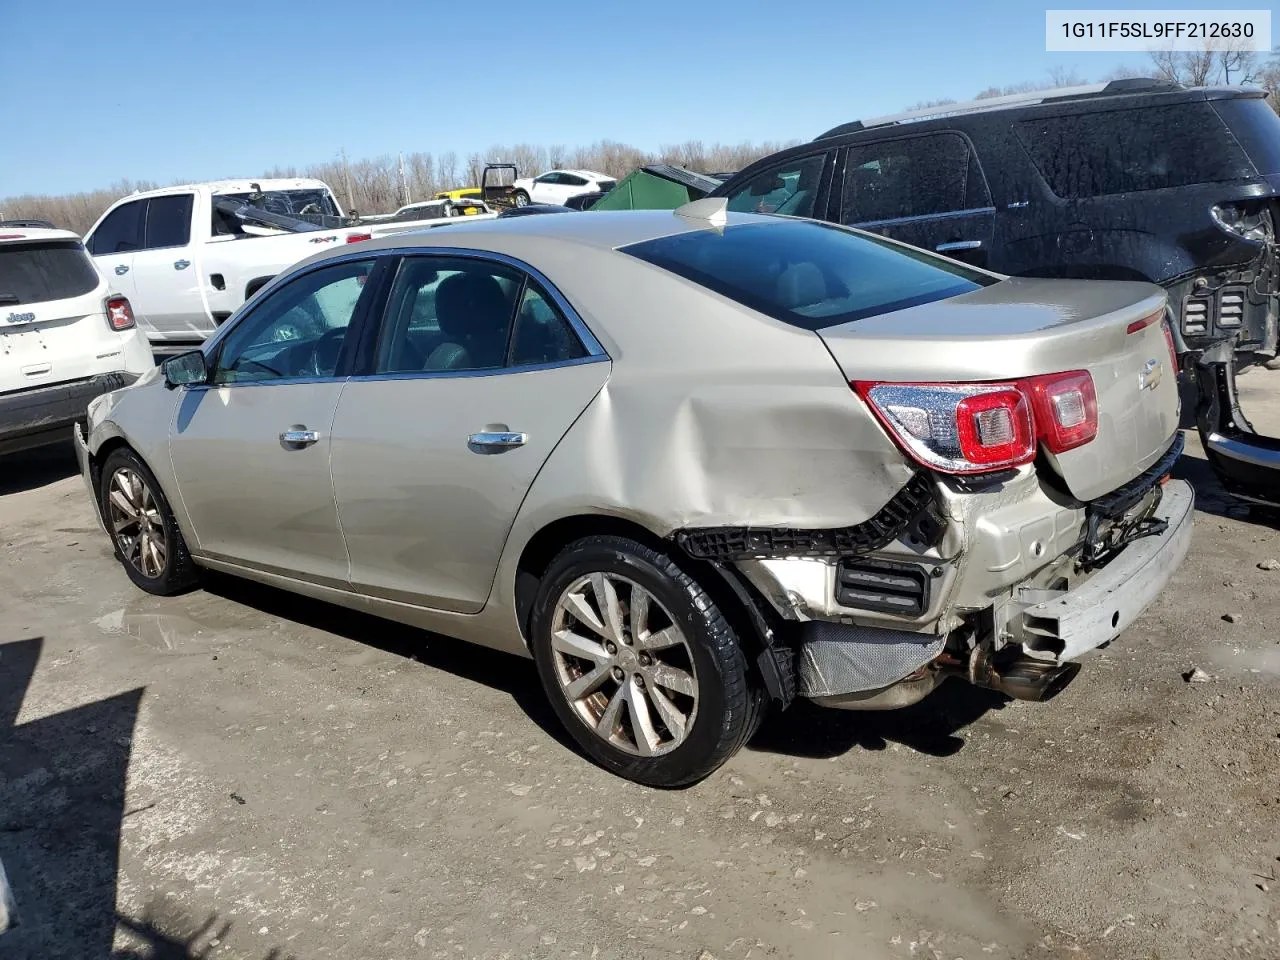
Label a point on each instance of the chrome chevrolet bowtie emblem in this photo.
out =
(1149, 379)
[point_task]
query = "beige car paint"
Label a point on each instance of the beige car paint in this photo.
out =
(711, 414)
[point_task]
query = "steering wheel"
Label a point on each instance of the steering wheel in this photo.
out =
(325, 351)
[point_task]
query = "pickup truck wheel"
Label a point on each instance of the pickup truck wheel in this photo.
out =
(640, 664)
(143, 530)
(520, 198)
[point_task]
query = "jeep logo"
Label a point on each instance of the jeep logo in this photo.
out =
(1149, 379)
(20, 318)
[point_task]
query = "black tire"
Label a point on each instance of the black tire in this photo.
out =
(731, 702)
(178, 571)
(520, 198)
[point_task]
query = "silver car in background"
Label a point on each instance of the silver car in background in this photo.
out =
(692, 463)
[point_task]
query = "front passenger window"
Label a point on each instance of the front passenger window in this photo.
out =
(790, 189)
(298, 330)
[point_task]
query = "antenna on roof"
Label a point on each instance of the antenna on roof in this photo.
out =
(712, 210)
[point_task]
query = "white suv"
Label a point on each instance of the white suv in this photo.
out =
(64, 337)
(557, 186)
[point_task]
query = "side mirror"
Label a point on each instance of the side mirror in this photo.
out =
(185, 369)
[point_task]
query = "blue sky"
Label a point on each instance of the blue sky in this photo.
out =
(168, 90)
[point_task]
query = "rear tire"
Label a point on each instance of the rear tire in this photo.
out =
(640, 665)
(142, 528)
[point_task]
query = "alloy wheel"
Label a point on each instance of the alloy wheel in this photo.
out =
(623, 664)
(136, 523)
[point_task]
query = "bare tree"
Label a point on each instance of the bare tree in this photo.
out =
(1126, 72)
(447, 170)
(1061, 76)
(926, 104)
(1239, 61)
(1193, 67)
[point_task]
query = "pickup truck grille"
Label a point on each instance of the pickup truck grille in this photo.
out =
(882, 585)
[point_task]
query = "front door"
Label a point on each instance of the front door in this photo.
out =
(166, 273)
(251, 449)
(479, 372)
(927, 191)
(113, 246)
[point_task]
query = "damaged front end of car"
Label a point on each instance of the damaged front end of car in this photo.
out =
(1246, 462)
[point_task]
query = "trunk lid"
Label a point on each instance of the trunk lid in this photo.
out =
(1022, 327)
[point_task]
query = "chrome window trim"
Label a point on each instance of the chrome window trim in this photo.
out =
(486, 372)
(589, 341)
(971, 211)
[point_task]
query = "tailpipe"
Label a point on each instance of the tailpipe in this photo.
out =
(1020, 677)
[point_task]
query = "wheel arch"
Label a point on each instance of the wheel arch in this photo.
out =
(545, 545)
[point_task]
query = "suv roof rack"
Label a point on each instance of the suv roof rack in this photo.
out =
(1113, 88)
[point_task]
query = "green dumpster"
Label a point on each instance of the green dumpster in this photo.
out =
(659, 186)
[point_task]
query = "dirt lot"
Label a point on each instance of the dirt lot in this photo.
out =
(239, 773)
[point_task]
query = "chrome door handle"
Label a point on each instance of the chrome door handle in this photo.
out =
(496, 442)
(299, 438)
(121, 270)
(181, 264)
(958, 245)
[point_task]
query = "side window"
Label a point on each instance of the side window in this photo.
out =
(543, 335)
(447, 313)
(790, 188)
(298, 330)
(169, 221)
(914, 177)
(572, 180)
(121, 231)
(548, 178)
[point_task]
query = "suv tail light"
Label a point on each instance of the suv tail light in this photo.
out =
(979, 427)
(120, 314)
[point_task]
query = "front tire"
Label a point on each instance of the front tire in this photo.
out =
(520, 198)
(640, 664)
(143, 530)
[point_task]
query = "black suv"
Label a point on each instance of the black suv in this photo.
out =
(1132, 180)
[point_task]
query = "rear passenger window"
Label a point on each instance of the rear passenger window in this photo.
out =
(1120, 151)
(169, 221)
(448, 314)
(915, 177)
(121, 231)
(543, 335)
(790, 188)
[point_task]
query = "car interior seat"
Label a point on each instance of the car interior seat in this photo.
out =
(473, 315)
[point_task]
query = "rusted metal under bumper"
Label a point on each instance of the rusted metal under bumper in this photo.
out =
(1247, 464)
(1097, 611)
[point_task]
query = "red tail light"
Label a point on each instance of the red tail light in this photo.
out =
(119, 314)
(357, 237)
(1173, 349)
(979, 427)
(1066, 409)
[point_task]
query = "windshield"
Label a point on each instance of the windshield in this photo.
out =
(44, 270)
(807, 274)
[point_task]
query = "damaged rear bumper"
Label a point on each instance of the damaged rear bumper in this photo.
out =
(1247, 463)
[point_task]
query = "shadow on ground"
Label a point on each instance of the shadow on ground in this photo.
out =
(507, 673)
(931, 726)
(37, 468)
(62, 807)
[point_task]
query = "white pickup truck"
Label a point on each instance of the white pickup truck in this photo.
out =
(187, 260)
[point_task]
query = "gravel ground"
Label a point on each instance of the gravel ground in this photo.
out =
(241, 773)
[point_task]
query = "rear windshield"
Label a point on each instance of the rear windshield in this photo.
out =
(1257, 127)
(1123, 151)
(44, 270)
(305, 204)
(807, 274)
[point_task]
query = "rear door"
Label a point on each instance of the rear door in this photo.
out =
(927, 191)
(166, 273)
(546, 188)
(480, 369)
(113, 245)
